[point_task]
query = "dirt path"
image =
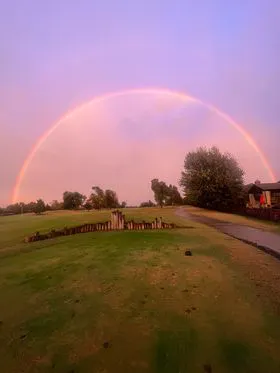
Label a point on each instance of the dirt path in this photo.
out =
(267, 241)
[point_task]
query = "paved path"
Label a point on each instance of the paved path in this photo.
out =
(265, 240)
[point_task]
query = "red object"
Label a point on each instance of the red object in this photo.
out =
(262, 200)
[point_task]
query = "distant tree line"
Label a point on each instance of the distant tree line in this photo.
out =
(209, 179)
(98, 199)
(21, 208)
(147, 204)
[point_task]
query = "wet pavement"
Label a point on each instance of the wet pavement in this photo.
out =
(265, 240)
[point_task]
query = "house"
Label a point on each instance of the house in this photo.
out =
(263, 194)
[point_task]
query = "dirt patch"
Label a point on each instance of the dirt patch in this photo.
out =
(87, 345)
(121, 346)
(160, 275)
(82, 284)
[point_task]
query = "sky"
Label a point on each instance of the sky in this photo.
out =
(57, 54)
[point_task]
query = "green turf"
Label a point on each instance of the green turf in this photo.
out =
(132, 301)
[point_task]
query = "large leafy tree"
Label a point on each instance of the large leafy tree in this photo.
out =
(160, 190)
(97, 198)
(73, 200)
(40, 207)
(111, 199)
(164, 194)
(211, 179)
(173, 196)
(103, 199)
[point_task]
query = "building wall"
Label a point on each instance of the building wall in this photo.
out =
(275, 197)
(271, 197)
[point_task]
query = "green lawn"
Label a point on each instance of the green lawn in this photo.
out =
(126, 302)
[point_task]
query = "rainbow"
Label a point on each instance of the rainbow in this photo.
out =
(142, 91)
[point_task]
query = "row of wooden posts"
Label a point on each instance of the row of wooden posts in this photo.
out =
(117, 223)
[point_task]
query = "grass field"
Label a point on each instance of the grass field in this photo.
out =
(236, 219)
(133, 302)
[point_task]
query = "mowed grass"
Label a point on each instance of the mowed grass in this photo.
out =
(133, 302)
(236, 219)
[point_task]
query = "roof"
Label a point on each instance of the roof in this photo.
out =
(266, 186)
(247, 187)
(269, 186)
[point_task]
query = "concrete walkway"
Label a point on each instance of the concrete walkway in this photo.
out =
(265, 240)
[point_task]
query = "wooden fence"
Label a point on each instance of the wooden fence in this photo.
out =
(117, 222)
(264, 213)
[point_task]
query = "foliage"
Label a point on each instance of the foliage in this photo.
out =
(211, 179)
(97, 198)
(123, 205)
(40, 207)
(19, 208)
(56, 205)
(173, 196)
(103, 199)
(147, 204)
(16, 208)
(160, 190)
(30, 207)
(165, 195)
(73, 200)
(111, 199)
(87, 205)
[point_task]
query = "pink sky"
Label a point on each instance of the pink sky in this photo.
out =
(124, 142)
(56, 55)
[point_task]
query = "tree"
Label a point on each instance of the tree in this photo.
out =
(173, 196)
(100, 199)
(88, 205)
(15, 208)
(123, 205)
(73, 200)
(160, 190)
(40, 207)
(110, 199)
(30, 207)
(165, 195)
(55, 205)
(211, 179)
(147, 204)
(97, 198)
